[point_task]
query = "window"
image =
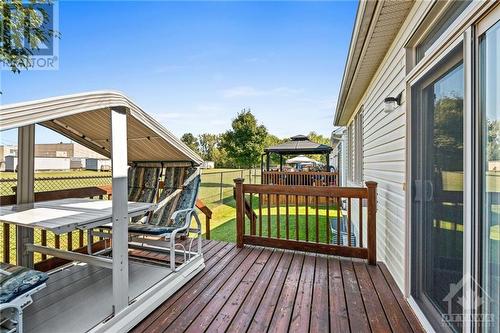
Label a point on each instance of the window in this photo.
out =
(358, 165)
(350, 151)
(355, 149)
(443, 22)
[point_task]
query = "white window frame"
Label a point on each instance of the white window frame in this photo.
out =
(355, 150)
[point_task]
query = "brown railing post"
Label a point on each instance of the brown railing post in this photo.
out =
(240, 211)
(207, 227)
(372, 222)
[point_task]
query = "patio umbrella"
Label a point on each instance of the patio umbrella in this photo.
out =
(301, 159)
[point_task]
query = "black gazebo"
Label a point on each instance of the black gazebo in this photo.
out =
(298, 145)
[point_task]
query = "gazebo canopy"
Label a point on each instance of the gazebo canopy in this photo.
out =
(299, 144)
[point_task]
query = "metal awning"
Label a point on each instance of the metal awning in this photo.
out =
(85, 118)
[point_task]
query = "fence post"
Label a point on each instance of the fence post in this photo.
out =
(240, 211)
(372, 222)
(221, 189)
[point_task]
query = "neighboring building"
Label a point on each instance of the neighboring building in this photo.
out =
(41, 163)
(64, 150)
(418, 95)
(98, 164)
(48, 156)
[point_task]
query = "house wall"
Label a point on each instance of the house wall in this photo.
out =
(384, 147)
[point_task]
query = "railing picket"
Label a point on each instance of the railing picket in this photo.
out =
(80, 238)
(260, 214)
(6, 243)
(70, 241)
(328, 220)
(287, 219)
(317, 219)
(296, 217)
(307, 218)
(349, 222)
(278, 216)
(338, 220)
(252, 217)
(268, 215)
(57, 241)
(43, 240)
(360, 222)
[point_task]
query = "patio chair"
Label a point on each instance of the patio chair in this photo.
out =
(17, 285)
(143, 186)
(172, 217)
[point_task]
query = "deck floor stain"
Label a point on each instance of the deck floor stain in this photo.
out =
(274, 290)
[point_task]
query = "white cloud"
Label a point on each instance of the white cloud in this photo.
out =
(249, 91)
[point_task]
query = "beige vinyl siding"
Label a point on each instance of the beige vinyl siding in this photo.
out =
(384, 148)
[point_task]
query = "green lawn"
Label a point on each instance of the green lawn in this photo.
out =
(223, 224)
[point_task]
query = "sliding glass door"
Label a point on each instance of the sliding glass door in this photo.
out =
(438, 177)
(489, 105)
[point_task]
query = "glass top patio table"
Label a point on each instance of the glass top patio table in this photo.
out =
(65, 215)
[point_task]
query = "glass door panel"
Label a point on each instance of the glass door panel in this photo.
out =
(489, 102)
(438, 175)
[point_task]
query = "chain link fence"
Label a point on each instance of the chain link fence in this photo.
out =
(8, 184)
(216, 189)
(54, 183)
(217, 186)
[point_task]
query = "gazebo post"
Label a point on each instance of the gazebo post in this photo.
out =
(281, 162)
(268, 162)
(327, 161)
(25, 190)
(261, 163)
(120, 214)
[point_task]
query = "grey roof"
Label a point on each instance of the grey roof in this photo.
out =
(299, 144)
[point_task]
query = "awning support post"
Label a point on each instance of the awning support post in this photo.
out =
(25, 189)
(120, 216)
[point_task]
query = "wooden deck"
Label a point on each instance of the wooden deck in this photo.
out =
(257, 289)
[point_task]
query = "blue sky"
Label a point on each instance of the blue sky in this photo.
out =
(194, 65)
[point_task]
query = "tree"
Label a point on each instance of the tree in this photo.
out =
(208, 144)
(273, 140)
(245, 141)
(191, 141)
(318, 138)
(23, 31)
(448, 133)
(493, 148)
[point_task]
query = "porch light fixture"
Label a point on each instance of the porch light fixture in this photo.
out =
(390, 103)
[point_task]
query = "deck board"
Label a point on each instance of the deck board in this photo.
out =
(258, 289)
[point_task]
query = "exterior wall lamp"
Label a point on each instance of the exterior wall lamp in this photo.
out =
(390, 103)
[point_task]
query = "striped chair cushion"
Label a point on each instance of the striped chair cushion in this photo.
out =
(17, 280)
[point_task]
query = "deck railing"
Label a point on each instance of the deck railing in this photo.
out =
(308, 178)
(308, 218)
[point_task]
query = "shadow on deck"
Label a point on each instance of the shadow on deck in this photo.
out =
(259, 289)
